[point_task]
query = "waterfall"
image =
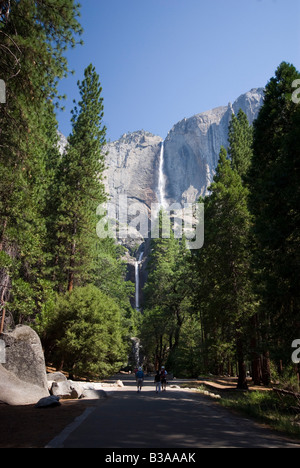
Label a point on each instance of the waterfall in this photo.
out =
(135, 357)
(137, 285)
(162, 179)
(137, 281)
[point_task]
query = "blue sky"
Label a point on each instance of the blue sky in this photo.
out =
(160, 61)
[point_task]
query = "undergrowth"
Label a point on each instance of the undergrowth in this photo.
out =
(267, 407)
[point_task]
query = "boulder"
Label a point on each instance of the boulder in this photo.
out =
(48, 402)
(56, 377)
(23, 378)
(66, 390)
(16, 392)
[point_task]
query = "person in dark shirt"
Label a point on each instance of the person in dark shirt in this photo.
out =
(140, 379)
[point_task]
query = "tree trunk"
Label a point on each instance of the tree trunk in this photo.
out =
(71, 274)
(71, 270)
(3, 234)
(256, 361)
(71, 282)
(266, 369)
(242, 379)
(256, 369)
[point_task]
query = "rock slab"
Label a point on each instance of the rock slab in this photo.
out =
(23, 379)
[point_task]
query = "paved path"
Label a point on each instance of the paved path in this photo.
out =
(172, 419)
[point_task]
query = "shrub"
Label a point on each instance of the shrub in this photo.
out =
(84, 336)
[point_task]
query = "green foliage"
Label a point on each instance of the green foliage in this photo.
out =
(267, 407)
(235, 299)
(240, 143)
(48, 201)
(186, 360)
(80, 189)
(33, 39)
(167, 296)
(85, 335)
(222, 269)
(274, 186)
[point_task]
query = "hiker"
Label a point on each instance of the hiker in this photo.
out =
(140, 379)
(157, 381)
(163, 378)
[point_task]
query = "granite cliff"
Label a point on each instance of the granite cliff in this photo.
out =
(191, 153)
(193, 145)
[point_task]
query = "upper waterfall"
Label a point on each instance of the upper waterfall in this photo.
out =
(162, 180)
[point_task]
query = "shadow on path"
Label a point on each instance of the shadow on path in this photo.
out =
(171, 419)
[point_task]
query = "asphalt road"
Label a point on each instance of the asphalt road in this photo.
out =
(173, 419)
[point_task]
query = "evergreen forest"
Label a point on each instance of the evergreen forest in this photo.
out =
(230, 308)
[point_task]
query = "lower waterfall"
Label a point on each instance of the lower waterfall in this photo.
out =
(137, 281)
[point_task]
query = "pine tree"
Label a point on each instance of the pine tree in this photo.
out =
(33, 38)
(224, 264)
(81, 189)
(167, 292)
(274, 201)
(240, 143)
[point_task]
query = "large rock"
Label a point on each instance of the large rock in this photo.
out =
(132, 171)
(192, 147)
(23, 378)
(66, 390)
(132, 167)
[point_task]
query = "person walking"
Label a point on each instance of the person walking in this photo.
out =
(163, 378)
(140, 379)
(157, 381)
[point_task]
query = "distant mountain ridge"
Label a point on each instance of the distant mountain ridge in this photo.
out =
(193, 146)
(191, 153)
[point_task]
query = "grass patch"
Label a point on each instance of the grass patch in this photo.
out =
(265, 407)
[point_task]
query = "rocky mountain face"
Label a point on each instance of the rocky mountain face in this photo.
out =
(191, 153)
(193, 145)
(132, 171)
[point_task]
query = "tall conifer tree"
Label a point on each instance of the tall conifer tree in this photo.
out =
(225, 260)
(33, 38)
(274, 184)
(81, 188)
(240, 143)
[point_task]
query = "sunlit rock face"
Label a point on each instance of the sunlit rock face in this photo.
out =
(193, 145)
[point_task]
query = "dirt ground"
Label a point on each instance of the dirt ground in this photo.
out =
(29, 427)
(229, 383)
